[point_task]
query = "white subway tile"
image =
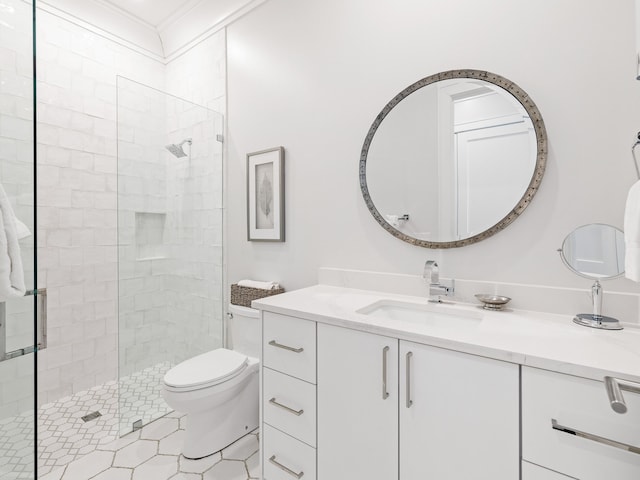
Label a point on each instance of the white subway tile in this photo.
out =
(71, 256)
(71, 139)
(83, 236)
(105, 164)
(71, 218)
(59, 238)
(81, 122)
(52, 155)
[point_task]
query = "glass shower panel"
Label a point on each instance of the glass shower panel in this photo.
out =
(169, 242)
(17, 312)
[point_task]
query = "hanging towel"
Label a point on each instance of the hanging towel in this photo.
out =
(632, 234)
(11, 272)
(22, 230)
(260, 285)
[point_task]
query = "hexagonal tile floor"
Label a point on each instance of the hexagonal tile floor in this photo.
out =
(62, 434)
(153, 453)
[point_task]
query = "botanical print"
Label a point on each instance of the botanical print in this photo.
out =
(264, 196)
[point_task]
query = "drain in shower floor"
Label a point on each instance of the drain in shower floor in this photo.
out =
(91, 416)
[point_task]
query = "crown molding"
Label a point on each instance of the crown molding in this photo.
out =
(174, 51)
(151, 47)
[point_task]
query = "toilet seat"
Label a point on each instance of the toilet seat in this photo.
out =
(206, 370)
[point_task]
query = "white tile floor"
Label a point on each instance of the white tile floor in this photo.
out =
(62, 434)
(153, 453)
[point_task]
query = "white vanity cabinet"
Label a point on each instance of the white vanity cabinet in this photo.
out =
(390, 409)
(288, 397)
(459, 415)
(510, 396)
(569, 427)
(357, 405)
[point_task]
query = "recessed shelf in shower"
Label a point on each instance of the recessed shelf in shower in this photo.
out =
(149, 235)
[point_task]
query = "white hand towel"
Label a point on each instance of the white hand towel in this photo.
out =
(260, 285)
(632, 234)
(11, 272)
(22, 230)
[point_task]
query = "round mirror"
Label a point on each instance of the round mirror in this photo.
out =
(453, 159)
(594, 251)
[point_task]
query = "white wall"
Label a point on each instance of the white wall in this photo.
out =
(311, 76)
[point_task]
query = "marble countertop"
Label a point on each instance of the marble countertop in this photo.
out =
(542, 340)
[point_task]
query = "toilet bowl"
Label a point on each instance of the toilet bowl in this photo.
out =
(218, 391)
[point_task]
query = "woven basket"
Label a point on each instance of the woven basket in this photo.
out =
(244, 295)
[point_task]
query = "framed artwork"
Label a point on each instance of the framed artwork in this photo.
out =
(265, 195)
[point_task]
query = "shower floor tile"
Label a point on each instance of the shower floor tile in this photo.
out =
(131, 457)
(64, 437)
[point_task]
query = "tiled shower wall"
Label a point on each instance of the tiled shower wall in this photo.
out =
(77, 200)
(170, 228)
(77, 72)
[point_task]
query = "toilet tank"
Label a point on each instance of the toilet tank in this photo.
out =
(243, 329)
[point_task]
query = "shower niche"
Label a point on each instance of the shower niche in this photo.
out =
(149, 235)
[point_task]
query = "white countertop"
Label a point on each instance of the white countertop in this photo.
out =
(541, 340)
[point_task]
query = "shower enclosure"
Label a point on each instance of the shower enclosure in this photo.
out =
(18, 332)
(170, 302)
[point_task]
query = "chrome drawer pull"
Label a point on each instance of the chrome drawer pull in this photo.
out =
(385, 394)
(285, 347)
(596, 438)
(284, 407)
(285, 469)
(408, 371)
(614, 388)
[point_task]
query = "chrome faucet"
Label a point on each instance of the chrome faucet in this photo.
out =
(431, 277)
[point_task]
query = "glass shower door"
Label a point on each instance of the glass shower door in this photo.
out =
(18, 299)
(169, 242)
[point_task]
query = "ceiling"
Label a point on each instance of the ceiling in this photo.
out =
(153, 12)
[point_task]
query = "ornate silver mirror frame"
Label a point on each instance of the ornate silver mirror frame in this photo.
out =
(541, 156)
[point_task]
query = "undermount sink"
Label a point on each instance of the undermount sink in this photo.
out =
(426, 314)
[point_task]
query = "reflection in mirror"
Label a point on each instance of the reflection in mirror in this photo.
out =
(453, 159)
(595, 251)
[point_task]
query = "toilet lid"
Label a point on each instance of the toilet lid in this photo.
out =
(207, 369)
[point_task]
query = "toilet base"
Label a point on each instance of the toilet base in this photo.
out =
(210, 431)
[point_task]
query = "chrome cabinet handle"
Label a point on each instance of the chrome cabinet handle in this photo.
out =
(285, 469)
(614, 388)
(408, 373)
(385, 394)
(596, 438)
(284, 407)
(286, 347)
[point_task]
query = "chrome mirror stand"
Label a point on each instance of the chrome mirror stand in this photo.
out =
(596, 319)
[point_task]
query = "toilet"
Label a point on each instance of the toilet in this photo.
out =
(218, 390)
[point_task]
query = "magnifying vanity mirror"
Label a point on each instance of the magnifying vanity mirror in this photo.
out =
(453, 159)
(596, 252)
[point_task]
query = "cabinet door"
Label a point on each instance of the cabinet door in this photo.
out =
(357, 405)
(459, 415)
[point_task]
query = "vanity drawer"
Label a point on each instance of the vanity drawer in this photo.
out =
(289, 404)
(289, 345)
(285, 457)
(578, 406)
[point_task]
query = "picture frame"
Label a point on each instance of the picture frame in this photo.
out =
(265, 195)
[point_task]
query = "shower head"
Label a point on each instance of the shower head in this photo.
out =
(177, 150)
